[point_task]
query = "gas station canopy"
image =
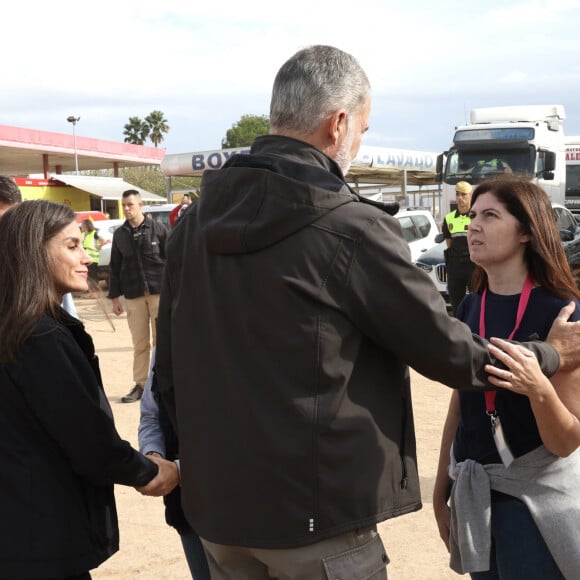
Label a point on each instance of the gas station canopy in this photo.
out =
(24, 152)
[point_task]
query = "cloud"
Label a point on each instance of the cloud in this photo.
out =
(206, 64)
(513, 78)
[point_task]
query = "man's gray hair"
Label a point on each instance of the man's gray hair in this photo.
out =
(315, 82)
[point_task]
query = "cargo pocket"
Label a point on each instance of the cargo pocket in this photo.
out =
(366, 562)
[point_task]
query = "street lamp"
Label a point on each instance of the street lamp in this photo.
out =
(74, 120)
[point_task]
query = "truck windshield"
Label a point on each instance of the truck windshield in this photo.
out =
(475, 165)
(572, 179)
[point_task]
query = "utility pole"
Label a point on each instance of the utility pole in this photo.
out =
(74, 120)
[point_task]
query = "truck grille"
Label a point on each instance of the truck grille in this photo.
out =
(441, 273)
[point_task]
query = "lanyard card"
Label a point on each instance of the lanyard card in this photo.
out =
(500, 442)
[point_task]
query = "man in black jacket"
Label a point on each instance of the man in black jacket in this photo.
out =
(289, 312)
(137, 262)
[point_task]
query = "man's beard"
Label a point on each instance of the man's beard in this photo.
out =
(343, 155)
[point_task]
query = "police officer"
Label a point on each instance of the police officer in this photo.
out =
(459, 266)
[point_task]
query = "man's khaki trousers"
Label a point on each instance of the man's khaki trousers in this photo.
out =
(142, 317)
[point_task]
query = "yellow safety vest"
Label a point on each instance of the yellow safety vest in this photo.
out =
(90, 247)
(457, 224)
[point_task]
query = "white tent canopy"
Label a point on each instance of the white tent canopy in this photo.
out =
(110, 188)
(372, 165)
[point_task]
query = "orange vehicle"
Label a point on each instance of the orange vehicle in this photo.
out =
(92, 215)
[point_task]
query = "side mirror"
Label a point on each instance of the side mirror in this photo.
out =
(549, 165)
(439, 238)
(439, 168)
(566, 235)
(549, 162)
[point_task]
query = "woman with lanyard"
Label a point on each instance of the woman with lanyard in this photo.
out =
(512, 485)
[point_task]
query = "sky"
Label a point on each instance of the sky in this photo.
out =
(205, 64)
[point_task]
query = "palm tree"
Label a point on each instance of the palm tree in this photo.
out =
(136, 131)
(157, 125)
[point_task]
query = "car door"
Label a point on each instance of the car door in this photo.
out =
(419, 232)
(566, 222)
(411, 234)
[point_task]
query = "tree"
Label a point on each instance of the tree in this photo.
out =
(146, 177)
(136, 131)
(243, 133)
(157, 126)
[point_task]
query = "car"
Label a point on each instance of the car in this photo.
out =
(106, 228)
(159, 213)
(570, 234)
(92, 215)
(433, 262)
(419, 229)
(104, 261)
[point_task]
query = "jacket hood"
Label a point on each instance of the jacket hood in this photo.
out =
(260, 198)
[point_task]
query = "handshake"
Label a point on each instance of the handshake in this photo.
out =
(166, 480)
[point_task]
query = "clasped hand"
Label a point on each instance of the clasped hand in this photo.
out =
(166, 480)
(522, 375)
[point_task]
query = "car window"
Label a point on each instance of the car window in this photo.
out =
(409, 231)
(564, 219)
(159, 213)
(161, 217)
(422, 224)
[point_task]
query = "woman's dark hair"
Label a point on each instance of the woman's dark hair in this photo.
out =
(544, 254)
(27, 286)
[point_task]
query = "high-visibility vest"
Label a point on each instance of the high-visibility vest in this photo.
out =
(90, 246)
(457, 224)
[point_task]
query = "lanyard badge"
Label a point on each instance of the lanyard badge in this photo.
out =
(496, 427)
(500, 442)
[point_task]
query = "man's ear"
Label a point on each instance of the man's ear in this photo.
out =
(337, 127)
(331, 132)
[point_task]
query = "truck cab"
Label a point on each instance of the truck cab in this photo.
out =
(525, 140)
(573, 174)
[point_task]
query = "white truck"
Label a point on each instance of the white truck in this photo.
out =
(525, 140)
(573, 174)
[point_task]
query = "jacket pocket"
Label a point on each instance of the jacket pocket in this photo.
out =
(151, 248)
(365, 562)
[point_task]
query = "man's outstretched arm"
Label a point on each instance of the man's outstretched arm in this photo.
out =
(564, 336)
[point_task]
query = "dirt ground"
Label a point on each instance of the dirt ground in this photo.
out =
(150, 550)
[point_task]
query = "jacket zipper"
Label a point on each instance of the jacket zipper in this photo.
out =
(403, 446)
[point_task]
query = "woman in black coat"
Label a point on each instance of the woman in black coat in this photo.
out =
(61, 453)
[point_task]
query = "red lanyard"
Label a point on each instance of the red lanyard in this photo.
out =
(522, 305)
